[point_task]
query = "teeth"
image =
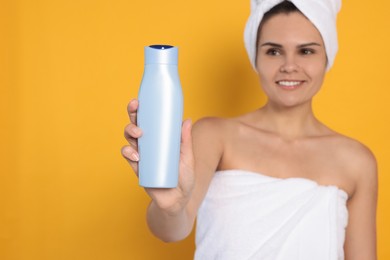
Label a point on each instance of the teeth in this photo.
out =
(289, 83)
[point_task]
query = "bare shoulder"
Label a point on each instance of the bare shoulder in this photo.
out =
(210, 135)
(355, 152)
(208, 140)
(208, 147)
(360, 240)
(358, 160)
(208, 124)
(211, 127)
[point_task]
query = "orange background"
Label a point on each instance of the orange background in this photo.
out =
(68, 70)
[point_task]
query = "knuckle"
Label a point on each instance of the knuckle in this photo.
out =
(132, 131)
(129, 106)
(123, 150)
(127, 128)
(128, 131)
(125, 133)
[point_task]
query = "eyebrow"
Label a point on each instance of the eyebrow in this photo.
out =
(272, 44)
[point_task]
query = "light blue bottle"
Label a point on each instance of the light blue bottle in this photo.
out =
(160, 115)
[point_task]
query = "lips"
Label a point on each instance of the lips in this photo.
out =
(289, 84)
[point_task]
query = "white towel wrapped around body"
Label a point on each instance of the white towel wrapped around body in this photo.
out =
(247, 215)
(322, 13)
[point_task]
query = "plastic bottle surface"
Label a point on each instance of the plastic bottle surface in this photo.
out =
(160, 115)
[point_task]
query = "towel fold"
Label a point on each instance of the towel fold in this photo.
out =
(247, 215)
(322, 13)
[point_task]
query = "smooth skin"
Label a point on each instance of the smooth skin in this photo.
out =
(282, 139)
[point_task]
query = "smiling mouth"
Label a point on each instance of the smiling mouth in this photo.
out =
(289, 84)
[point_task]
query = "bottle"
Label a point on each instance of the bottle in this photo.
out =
(159, 116)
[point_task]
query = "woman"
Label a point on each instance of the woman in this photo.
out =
(275, 183)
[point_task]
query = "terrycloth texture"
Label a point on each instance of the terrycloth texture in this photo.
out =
(322, 13)
(246, 215)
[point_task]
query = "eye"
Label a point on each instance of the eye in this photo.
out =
(307, 51)
(273, 52)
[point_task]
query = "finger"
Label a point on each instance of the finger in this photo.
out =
(186, 131)
(132, 110)
(132, 133)
(186, 143)
(131, 156)
(130, 153)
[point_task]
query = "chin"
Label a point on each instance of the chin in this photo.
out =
(289, 103)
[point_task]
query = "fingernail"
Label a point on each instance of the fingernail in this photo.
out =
(135, 157)
(189, 122)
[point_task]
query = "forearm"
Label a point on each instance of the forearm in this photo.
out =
(169, 226)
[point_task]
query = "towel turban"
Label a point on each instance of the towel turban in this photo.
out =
(322, 13)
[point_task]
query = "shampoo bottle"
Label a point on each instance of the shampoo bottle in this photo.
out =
(159, 116)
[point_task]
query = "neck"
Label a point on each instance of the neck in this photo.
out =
(290, 123)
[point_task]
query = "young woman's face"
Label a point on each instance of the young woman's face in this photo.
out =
(291, 59)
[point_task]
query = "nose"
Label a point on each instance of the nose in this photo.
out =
(289, 64)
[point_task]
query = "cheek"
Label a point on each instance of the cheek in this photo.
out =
(265, 76)
(316, 69)
(317, 78)
(266, 68)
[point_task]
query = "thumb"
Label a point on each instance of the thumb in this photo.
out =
(186, 136)
(186, 140)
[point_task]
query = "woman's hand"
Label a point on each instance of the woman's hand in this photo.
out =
(171, 200)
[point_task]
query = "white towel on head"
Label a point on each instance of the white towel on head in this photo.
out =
(322, 13)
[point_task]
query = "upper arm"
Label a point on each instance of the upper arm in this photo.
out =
(360, 240)
(207, 137)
